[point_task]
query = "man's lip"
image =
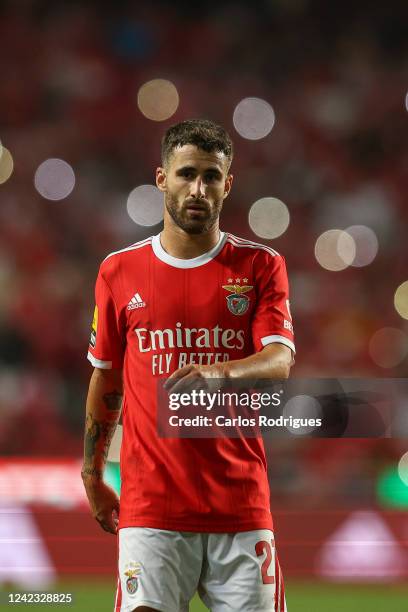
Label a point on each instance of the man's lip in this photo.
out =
(196, 207)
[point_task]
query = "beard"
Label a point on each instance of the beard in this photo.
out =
(181, 218)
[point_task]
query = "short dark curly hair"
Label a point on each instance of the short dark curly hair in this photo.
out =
(202, 133)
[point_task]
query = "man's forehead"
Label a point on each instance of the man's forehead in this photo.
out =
(190, 155)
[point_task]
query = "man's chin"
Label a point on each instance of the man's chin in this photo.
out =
(194, 227)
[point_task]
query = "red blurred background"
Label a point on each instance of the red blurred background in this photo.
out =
(335, 76)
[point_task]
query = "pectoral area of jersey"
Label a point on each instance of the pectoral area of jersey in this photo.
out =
(188, 338)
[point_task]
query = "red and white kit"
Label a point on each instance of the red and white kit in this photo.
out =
(156, 313)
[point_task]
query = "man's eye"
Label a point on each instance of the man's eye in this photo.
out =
(211, 177)
(187, 174)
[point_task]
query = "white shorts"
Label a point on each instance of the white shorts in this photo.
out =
(231, 571)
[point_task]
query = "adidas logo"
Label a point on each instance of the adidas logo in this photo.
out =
(136, 302)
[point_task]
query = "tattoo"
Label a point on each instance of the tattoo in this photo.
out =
(108, 430)
(92, 435)
(98, 435)
(113, 400)
(91, 472)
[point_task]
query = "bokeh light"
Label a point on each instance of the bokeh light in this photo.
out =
(302, 407)
(268, 217)
(253, 118)
(401, 300)
(6, 164)
(346, 248)
(145, 205)
(54, 179)
(366, 245)
(158, 99)
(388, 347)
(406, 101)
(392, 491)
(111, 475)
(403, 468)
(335, 250)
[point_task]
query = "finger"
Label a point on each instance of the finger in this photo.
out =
(115, 515)
(169, 384)
(108, 526)
(195, 381)
(183, 385)
(180, 373)
(106, 520)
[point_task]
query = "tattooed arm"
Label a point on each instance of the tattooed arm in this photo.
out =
(103, 409)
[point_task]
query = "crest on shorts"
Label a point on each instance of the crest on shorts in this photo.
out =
(238, 302)
(132, 572)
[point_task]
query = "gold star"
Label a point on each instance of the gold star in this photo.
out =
(237, 280)
(244, 280)
(230, 280)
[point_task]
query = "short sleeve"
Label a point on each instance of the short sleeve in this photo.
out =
(272, 320)
(107, 341)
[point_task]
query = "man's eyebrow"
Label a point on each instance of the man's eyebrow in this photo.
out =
(213, 169)
(186, 169)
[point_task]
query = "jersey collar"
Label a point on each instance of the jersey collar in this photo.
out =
(195, 262)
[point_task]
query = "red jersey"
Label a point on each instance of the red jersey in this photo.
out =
(156, 313)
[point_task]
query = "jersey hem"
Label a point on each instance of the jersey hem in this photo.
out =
(157, 605)
(227, 527)
(98, 363)
(280, 339)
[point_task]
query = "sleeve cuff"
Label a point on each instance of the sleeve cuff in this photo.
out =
(98, 363)
(280, 339)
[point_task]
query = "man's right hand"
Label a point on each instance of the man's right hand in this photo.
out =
(103, 501)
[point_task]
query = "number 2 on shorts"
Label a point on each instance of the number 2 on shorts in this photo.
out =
(265, 547)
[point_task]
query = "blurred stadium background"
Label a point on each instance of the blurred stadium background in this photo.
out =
(314, 94)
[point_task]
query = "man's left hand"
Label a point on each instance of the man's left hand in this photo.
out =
(196, 377)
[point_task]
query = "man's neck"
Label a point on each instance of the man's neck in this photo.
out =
(178, 243)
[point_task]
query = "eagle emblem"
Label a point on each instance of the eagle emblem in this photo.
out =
(237, 301)
(132, 583)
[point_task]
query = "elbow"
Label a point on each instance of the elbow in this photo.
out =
(279, 361)
(111, 378)
(285, 371)
(287, 364)
(279, 371)
(283, 366)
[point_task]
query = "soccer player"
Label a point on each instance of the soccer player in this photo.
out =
(191, 304)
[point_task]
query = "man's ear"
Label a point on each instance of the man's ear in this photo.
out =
(228, 185)
(161, 179)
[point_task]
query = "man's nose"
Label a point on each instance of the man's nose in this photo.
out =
(198, 188)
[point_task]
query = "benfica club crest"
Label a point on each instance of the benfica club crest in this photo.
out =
(238, 302)
(132, 583)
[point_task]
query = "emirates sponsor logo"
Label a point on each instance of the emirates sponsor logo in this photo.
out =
(189, 337)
